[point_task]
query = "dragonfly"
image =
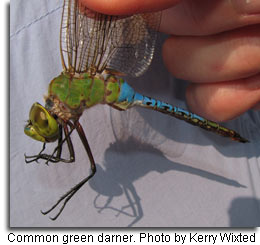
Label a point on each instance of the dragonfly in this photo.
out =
(97, 51)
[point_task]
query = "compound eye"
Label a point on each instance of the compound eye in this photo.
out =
(42, 123)
(30, 131)
(39, 118)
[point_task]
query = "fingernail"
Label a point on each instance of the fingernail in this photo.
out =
(247, 6)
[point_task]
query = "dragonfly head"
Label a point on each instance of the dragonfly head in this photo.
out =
(41, 125)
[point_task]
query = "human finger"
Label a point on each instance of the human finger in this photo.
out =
(225, 100)
(127, 7)
(204, 17)
(226, 56)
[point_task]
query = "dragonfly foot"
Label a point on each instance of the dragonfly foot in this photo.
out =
(35, 159)
(48, 158)
(52, 218)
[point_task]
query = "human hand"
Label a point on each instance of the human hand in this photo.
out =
(214, 44)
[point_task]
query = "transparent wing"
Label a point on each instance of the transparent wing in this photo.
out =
(91, 41)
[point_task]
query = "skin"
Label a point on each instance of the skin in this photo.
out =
(213, 44)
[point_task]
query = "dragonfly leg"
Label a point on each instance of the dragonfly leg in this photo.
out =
(58, 150)
(86, 146)
(35, 157)
(67, 196)
(59, 146)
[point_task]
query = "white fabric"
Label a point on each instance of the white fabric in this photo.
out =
(152, 170)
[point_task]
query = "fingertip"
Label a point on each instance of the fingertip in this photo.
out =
(222, 101)
(197, 103)
(203, 100)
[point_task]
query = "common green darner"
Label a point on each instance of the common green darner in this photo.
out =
(96, 51)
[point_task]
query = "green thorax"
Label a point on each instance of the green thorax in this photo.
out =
(83, 90)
